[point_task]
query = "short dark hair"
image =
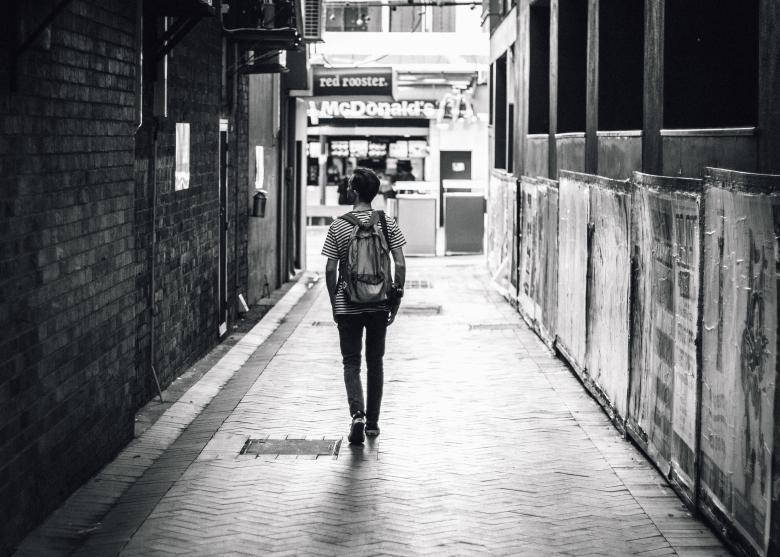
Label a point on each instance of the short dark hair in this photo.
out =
(365, 183)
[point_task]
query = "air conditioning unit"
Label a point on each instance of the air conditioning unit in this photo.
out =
(312, 20)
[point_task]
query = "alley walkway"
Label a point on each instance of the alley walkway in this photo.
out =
(489, 445)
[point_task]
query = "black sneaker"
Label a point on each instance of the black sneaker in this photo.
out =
(356, 436)
(372, 429)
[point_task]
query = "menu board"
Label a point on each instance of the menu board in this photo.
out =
(399, 150)
(339, 148)
(418, 148)
(358, 147)
(377, 149)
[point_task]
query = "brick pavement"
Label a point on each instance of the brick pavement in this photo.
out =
(489, 445)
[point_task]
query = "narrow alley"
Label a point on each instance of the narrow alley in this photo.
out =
(489, 445)
(572, 208)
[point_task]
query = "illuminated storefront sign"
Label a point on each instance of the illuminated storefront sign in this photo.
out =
(352, 82)
(325, 110)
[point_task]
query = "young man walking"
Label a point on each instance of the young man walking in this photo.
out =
(351, 317)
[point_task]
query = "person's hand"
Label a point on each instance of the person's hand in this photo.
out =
(333, 310)
(393, 311)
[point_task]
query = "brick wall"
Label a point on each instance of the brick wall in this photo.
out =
(67, 258)
(76, 203)
(240, 206)
(186, 251)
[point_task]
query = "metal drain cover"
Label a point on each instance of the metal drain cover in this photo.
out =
(300, 447)
(493, 326)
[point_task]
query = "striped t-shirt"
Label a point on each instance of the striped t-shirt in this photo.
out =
(335, 247)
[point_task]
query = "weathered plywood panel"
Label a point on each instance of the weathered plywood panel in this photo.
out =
(573, 217)
(739, 371)
(688, 155)
(608, 293)
(571, 152)
(548, 259)
(514, 246)
(538, 255)
(529, 250)
(663, 396)
(501, 215)
(619, 155)
(537, 156)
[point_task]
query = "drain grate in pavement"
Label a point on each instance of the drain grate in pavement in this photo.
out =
(414, 283)
(300, 447)
(420, 309)
(493, 326)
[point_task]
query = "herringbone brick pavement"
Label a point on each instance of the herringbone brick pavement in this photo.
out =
(488, 446)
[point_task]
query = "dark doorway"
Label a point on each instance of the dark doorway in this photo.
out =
(222, 307)
(453, 165)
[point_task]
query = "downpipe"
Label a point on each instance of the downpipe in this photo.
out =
(153, 258)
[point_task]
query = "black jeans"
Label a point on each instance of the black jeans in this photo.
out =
(351, 340)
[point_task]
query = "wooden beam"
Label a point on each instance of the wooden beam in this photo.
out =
(769, 93)
(653, 95)
(552, 151)
(592, 90)
(522, 50)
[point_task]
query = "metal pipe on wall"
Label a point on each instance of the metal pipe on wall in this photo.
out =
(152, 257)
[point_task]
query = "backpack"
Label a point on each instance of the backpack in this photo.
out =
(367, 275)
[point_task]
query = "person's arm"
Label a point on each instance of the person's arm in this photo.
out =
(331, 281)
(400, 267)
(400, 280)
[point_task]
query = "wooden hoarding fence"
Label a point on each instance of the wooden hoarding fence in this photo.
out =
(538, 273)
(608, 292)
(573, 219)
(663, 401)
(501, 209)
(740, 364)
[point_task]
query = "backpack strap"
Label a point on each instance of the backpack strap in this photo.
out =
(351, 219)
(383, 222)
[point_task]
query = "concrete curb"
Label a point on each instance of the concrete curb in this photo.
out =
(82, 512)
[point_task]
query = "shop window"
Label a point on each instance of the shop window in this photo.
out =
(572, 57)
(353, 18)
(182, 173)
(621, 64)
(539, 70)
(443, 19)
(710, 63)
(500, 116)
(407, 19)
